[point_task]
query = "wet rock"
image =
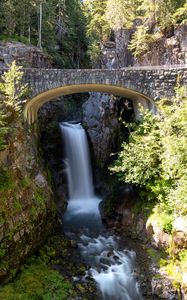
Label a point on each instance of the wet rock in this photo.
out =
(73, 244)
(40, 180)
(140, 226)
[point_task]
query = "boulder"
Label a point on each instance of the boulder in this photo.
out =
(162, 287)
(158, 237)
(179, 236)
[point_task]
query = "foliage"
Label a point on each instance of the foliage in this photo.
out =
(163, 214)
(174, 267)
(122, 13)
(139, 158)
(98, 29)
(142, 39)
(13, 90)
(155, 158)
(26, 182)
(69, 27)
(180, 16)
(37, 281)
(149, 20)
(62, 28)
(3, 128)
(2, 252)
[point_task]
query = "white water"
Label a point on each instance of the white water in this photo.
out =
(78, 165)
(112, 269)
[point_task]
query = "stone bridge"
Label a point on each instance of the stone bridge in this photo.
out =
(141, 84)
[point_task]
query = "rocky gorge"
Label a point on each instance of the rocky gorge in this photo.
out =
(28, 200)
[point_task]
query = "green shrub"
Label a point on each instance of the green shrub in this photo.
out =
(155, 159)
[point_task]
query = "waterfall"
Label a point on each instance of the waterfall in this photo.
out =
(112, 269)
(82, 200)
(78, 164)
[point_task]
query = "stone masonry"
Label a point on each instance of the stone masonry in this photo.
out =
(153, 82)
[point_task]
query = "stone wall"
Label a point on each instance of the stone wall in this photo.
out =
(27, 208)
(153, 82)
(24, 55)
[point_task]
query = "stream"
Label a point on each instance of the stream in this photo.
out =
(111, 267)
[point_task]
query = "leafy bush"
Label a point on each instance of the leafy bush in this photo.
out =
(180, 16)
(155, 158)
(13, 90)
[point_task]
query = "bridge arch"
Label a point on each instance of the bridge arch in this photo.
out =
(32, 106)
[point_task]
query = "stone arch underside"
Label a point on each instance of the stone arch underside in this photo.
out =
(32, 106)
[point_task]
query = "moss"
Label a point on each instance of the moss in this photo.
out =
(33, 212)
(17, 205)
(25, 182)
(148, 207)
(6, 180)
(2, 220)
(2, 252)
(156, 256)
(36, 282)
(39, 198)
(49, 176)
(10, 235)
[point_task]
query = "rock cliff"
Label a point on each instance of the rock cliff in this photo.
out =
(25, 55)
(27, 207)
(165, 51)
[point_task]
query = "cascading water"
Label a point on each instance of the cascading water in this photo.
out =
(111, 268)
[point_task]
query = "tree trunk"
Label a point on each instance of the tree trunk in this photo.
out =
(40, 27)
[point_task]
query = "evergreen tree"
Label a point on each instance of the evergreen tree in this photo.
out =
(122, 13)
(98, 29)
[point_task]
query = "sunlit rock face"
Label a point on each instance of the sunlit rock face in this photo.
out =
(170, 49)
(27, 56)
(115, 54)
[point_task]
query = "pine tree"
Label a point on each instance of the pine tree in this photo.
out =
(122, 13)
(98, 29)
